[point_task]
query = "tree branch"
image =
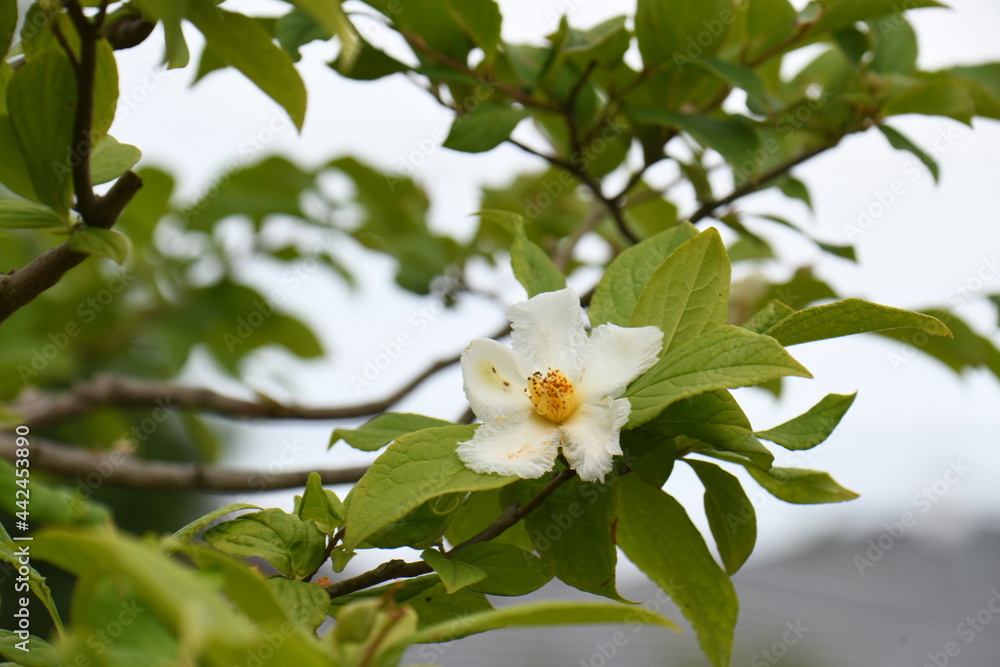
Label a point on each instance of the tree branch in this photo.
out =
(398, 569)
(86, 65)
(37, 408)
(120, 469)
(752, 185)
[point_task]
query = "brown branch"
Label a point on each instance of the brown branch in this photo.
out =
(752, 185)
(36, 408)
(23, 286)
(86, 66)
(116, 468)
(399, 569)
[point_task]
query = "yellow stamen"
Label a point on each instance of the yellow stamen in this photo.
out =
(552, 395)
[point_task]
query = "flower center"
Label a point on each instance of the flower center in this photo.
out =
(552, 395)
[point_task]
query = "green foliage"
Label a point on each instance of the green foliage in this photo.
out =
(656, 534)
(602, 123)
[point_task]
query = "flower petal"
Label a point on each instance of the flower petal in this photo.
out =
(548, 332)
(492, 384)
(590, 437)
(524, 444)
(616, 356)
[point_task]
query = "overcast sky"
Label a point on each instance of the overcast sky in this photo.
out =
(911, 421)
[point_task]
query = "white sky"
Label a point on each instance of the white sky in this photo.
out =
(904, 428)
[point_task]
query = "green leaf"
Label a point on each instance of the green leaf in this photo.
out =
(8, 23)
(41, 98)
(11, 553)
(626, 277)
(101, 242)
(729, 136)
(689, 293)
(715, 417)
(188, 532)
(169, 590)
(900, 142)
(478, 511)
(48, 503)
(321, 506)
(415, 468)
(24, 214)
(455, 575)
(420, 528)
(293, 546)
(741, 77)
(110, 159)
(848, 317)
(841, 13)
(244, 44)
(665, 30)
(731, 515)
(656, 534)
(812, 427)
(723, 358)
(480, 20)
(13, 167)
(533, 268)
(537, 614)
(573, 533)
(39, 654)
(484, 128)
(383, 429)
(305, 603)
(510, 571)
(800, 485)
(895, 50)
(170, 13)
(368, 64)
(936, 97)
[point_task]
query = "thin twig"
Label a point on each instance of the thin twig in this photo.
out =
(120, 469)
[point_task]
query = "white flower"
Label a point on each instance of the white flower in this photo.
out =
(556, 388)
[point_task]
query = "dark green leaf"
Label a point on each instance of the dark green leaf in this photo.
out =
(368, 64)
(731, 516)
(293, 546)
(813, 426)
(741, 77)
(383, 429)
(41, 98)
(936, 97)
(673, 33)
(730, 136)
(510, 571)
(480, 20)
(840, 13)
(414, 469)
(8, 22)
(656, 534)
(895, 50)
(455, 574)
(899, 141)
(245, 44)
(768, 316)
(485, 127)
(573, 533)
